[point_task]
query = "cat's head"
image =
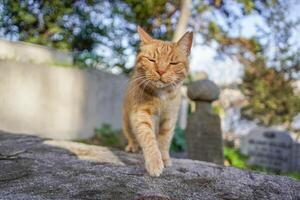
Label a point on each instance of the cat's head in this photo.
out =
(163, 63)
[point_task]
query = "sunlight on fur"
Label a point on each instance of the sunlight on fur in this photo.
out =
(152, 99)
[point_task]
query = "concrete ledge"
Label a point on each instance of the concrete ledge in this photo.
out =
(32, 53)
(36, 168)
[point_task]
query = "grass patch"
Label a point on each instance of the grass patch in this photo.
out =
(178, 143)
(107, 136)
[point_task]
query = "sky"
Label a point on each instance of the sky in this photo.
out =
(225, 71)
(222, 72)
(229, 71)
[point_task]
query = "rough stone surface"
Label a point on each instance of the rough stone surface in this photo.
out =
(36, 168)
(203, 90)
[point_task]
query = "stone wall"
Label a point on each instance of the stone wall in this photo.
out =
(58, 102)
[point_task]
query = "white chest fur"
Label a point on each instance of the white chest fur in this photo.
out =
(162, 94)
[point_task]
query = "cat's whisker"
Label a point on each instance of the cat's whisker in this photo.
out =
(144, 87)
(134, 86)
(137, 79)
(140, 90)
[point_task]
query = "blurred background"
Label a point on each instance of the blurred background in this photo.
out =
(64, 66)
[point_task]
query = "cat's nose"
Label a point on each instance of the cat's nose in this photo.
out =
(161, 71)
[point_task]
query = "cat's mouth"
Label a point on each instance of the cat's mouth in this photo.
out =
(160, 84)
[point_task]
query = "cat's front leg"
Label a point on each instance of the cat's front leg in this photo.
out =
(164, 138)
(144, 130)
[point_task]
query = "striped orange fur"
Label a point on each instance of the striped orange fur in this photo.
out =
(153, 96)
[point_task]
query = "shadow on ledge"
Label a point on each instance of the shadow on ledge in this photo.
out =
(38, 168)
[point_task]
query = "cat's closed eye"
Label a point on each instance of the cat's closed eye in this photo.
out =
(150, 59)
(174, 63)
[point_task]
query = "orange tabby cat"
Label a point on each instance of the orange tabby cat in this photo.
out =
(153, 96)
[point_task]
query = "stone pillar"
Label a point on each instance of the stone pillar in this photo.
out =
(184, 107)
(203, 132)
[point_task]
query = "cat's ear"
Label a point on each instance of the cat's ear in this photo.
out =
(185, 43)
(145, 37)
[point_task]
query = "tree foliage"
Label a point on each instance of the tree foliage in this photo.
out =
(40, 22)
(270, 60)
(101, 33)
(271, 97)
(84, 26)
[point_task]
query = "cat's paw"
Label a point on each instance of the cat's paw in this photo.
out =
(155, 166)
(167, 162)
(132, 148)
